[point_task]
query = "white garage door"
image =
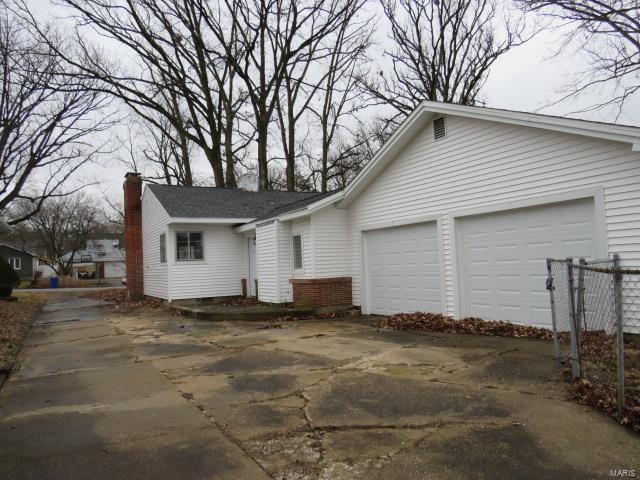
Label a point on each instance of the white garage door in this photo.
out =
(403, 269)
(501, 258)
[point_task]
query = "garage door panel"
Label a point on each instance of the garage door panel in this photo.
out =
(502, 258)
(403, 269)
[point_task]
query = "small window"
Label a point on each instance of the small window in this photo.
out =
(439, 128)
(16, 263)
(163, 248)
(297, 252)
(189, 246)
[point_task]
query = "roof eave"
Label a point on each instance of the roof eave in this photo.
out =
(210, 221)
(293, 215)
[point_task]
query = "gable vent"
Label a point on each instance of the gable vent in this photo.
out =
(439, 130)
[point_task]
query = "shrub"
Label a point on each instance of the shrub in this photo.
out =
(8, 279)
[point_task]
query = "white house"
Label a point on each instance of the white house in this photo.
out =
(455, 214)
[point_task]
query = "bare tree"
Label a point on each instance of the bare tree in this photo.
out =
(322, 74)
(271, 34)
(608, 31)
(157, 155)
(62, 227)
(341, 99)
(48, 118)
(172, 72)
(348, 155)
(443, 50)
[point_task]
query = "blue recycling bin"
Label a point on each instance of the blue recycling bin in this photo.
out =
(54, 282)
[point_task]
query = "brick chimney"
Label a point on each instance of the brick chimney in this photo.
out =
(133, 234)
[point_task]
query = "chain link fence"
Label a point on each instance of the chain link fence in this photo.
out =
(591, 302)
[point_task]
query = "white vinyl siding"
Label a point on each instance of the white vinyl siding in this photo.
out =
(273, 251)
(481, 163)
(266, 260)
(330, 243)
(154, 224)
(285, 259)
(218, 274)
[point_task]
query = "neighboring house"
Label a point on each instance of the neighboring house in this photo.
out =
(24, 263)
(104, 255)
(455, 214)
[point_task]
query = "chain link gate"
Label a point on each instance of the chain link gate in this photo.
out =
(589, 303)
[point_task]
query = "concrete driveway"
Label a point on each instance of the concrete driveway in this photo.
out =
(113, 395)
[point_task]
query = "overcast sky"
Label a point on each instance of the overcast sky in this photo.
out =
(526, 79)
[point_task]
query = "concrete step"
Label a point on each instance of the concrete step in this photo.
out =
(240, 312)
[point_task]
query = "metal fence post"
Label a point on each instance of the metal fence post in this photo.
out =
(551, 288)
(580, 305)
(575, 352)
(617, 288)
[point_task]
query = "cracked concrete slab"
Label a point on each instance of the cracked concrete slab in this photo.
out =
(115, 394)
(197, 455)
(500, 452)
(375, 399)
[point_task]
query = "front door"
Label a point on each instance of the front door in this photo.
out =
(251, 276)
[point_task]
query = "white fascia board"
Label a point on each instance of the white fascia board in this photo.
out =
(247, 227)
(211, 221)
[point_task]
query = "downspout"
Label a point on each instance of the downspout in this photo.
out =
(168, 253)
(276, 226)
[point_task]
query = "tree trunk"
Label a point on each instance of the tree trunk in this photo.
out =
(230, 172)
(324, 174)
(263, 172)
(186, 161)
(215, 160)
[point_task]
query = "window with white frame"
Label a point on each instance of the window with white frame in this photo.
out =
(297, 252)
(163, 248)
(189, 246)
(16, 263)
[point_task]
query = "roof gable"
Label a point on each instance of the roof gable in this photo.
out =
(427, 111)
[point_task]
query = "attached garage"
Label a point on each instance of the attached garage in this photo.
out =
(403, 269)
(501, 258)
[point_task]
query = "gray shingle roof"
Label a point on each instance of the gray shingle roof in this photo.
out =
(213, 202)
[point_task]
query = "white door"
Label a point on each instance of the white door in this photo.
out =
(403, 269)
(502, 258)
(251, 262)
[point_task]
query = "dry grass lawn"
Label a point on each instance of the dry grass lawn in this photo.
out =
(15, 319)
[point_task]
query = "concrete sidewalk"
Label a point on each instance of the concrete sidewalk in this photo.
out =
(81, 407)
